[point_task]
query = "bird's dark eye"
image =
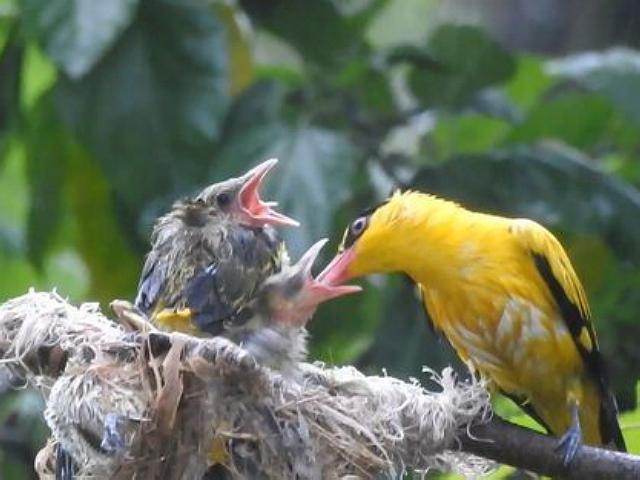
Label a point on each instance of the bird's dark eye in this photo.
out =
(358, 226)
(223, 199)
(355, 229)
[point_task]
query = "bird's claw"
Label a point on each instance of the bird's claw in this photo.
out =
(130, 316)
(569, 444)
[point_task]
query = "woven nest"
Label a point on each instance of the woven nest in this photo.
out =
(128, 401)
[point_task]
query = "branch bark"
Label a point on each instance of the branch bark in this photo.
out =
(521, 447)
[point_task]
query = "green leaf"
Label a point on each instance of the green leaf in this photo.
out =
(579, 120)
(344, 329)
(77, 33)
(13, 208)
(401, 23)
(18, 275)
(404, 342)
(630, 424)
(113, 268)
(316, 164)
(469, 133)
(37, 76)
(554, 185)
(624, 166)
(46, 165)
(8, 17)
(314, 178)
(614, 73)
(310, 182)
(238, 39)
(468, 61)
(22, 431)
(260, 104)
(10, 60)
(150, 111)
(361, 17)
(369, 85)
(327, 41)
(15, 195)
(528, 83)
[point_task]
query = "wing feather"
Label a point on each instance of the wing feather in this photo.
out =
(553, 264)
(152, 281)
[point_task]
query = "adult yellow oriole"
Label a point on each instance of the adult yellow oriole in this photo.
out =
(506, 296)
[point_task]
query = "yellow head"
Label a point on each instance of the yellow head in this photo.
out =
(393, 236)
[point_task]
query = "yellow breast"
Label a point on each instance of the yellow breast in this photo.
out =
(511, 341)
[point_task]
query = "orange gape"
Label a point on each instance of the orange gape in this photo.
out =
(505, 295)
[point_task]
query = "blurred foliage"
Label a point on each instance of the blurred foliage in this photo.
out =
(111, 110)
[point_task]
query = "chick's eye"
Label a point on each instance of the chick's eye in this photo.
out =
(223, 199)
(358, 226)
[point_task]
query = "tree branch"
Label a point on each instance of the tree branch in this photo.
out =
(523, 448)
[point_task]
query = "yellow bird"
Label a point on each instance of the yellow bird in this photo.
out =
(504, 293)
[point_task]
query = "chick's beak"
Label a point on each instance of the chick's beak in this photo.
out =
(297, 306)
(337, 272)
(318, 290)
(257, 212)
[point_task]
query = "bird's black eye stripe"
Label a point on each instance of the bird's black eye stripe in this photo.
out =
(355, 229)
(359, 225)
(223, 199)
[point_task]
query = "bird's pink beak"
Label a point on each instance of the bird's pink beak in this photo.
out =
(299, 309)
(259, 213)
(337, 271)
(318, 290)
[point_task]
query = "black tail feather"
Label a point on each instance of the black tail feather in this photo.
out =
(609, 427)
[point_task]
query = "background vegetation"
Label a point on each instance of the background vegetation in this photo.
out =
(110, 110)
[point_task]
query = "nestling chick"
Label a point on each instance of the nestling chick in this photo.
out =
(276, 335)
(210, 254)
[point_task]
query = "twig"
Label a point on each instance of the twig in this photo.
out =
(523, 448)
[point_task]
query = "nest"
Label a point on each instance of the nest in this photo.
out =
(125, 400)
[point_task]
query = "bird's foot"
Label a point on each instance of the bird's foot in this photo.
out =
(131, 317)
(569, 444)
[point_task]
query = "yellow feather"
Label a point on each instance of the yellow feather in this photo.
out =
(173, 320)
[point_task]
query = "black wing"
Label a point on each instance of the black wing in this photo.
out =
(152, 281)
(609, 428)
(223, 291)
(204, 295)
(556, 271)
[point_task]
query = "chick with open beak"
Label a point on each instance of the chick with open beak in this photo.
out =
(239, 198)
(276, 335)
(210, 254)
